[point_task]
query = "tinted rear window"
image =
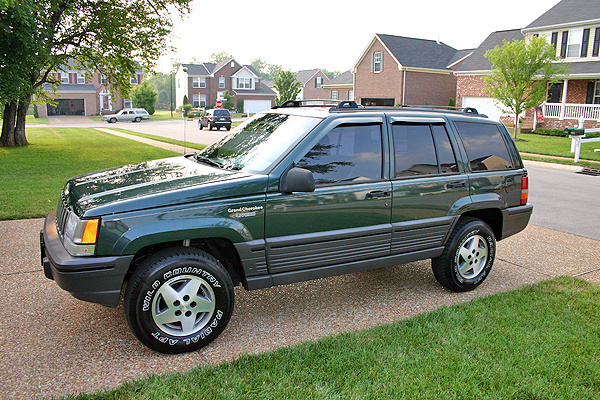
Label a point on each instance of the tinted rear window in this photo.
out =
(221, 113)
(485, 146)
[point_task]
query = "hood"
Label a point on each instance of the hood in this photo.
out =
(156, 183)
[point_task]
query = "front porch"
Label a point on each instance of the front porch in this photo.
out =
(567, 115)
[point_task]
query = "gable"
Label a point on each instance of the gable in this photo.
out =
(477, 61)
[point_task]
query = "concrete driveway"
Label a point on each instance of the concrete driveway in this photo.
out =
(53, 344)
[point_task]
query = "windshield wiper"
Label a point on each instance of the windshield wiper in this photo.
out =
(208, 161)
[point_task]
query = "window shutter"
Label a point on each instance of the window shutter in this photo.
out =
(590, 92)
(584, 44)
(372, 62)
(565, 40)
(381, 67)
(596, 43)
(554, 39)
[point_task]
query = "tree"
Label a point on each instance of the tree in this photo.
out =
(38, 37)
(220, 56)
(227, 100)
(143, 96)
(266, 70)
(521, 71)
(286, 86)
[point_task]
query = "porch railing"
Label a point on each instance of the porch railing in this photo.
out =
(571, 111)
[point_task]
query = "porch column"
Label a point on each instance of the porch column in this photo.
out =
(564, 99)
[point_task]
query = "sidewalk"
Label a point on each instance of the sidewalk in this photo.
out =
(53, 344)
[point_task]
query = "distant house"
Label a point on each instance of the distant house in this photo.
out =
(80, 95)
(205, 83)
(312, 81)
(395, 70)
(341, 87)
(573, 28)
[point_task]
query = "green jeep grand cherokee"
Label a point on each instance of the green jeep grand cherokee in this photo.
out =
(293, 194)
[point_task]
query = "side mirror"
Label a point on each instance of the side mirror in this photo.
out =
(297, 180)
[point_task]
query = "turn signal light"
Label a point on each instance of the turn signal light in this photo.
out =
(90, 232)
(524, 190)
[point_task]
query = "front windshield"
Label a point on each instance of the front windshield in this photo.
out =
(257, 143)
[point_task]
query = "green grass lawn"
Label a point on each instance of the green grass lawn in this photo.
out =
(33, 176)
(537, 342)
(556, 146)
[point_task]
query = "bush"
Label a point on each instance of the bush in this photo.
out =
(549, 132)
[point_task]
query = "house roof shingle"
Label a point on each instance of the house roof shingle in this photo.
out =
(419, 53)
(567, 12)
(345, 78)
(477, 61)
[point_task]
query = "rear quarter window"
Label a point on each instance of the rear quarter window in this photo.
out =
(485, 146)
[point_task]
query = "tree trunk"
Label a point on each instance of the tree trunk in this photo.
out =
(20, 138)
(13, 125)
(516, 124)
(8, 125)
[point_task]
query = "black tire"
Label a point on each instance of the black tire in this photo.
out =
(200, 304)
(137, 119)
(468, 256)
(228, 127)
(200, 125)
(210, 126)
(112, 120)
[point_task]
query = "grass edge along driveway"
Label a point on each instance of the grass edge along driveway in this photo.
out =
(541, 341)
(33, 176)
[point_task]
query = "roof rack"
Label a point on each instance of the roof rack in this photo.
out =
(349, 105)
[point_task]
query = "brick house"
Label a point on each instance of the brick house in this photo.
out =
(312, 81)
(204, 84)
(81, 95)
(395, 70)
(573, 28)
(341, 87)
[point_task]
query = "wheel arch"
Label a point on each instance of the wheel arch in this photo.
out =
(220, 248)
(491, 216)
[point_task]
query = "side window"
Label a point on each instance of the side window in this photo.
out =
(414, 149)
(485, 146)
(444, 151)
(349, 153)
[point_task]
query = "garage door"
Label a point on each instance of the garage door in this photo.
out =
(254, 106)
(484, 105)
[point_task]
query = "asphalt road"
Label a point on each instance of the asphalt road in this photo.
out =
(564, 200)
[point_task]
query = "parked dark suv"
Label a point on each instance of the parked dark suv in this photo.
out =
(294, 193)
(215, 118)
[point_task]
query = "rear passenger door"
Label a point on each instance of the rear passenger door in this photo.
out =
(347, 217)
(428, 184)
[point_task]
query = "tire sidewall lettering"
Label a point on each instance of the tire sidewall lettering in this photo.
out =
(151, 291)
(489, 262)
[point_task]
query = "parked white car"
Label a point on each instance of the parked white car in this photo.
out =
(127, 114)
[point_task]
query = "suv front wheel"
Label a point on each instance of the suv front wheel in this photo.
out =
(468, 257)
(179, 300)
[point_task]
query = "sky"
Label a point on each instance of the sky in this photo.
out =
(332, 35)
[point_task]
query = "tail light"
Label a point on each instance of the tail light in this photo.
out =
(524, 190)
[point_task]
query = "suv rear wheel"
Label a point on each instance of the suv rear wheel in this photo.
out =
(468, 256)
(179, 300)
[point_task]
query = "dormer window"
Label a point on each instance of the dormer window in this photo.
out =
(64, 77)
(80, 79)
(133, 80)
(244, 83)
(318, 81)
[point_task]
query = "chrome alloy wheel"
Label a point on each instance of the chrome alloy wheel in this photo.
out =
(183, 305)
(472, 257)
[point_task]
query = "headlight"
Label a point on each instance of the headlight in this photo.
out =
(80, 235)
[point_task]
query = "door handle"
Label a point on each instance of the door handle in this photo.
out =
(376, 194)
(456, 185)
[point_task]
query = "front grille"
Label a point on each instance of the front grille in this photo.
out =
(62, 213)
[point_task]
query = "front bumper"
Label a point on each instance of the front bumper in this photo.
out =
(95, 279)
